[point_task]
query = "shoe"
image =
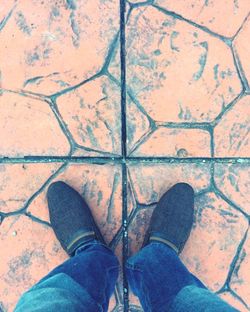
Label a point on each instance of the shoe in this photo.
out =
(172, 219)
(70, 217)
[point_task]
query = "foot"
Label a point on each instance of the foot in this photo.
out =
(70, 217)
(172, 219)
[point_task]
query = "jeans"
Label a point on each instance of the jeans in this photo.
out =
(86, 281)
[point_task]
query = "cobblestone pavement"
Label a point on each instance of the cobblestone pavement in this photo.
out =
(121, 101)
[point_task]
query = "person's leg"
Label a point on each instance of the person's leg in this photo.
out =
(89, 276)
(156, 274)
(95, 268)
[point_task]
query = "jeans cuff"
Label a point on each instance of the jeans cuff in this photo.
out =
(91, 243)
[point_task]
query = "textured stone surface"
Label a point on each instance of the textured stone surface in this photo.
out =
(138, 228)
(227, 296)
(232, 134)
(213, 243)
(92, 114)
(28, 251)
(59, 43)
(240, 278)
(5, 11)
(150, 181)
(29, 127)
(208, 13)
(181, 73)
(176, 143)
(234, 182)
(138, 125)
(19, 182)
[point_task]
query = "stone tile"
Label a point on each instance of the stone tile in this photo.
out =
(138, 228)
(208, 13)
(59, 44)
(28, 252)
(214, 240)
(150, 181)
(240, 279)
(227, 296)
(100, 185)
(92, 114)
(175, 143)
(181, 74)
(233, 180)
(138, 125)
(29, 128)
(242, 48)
(232, 134)
(19, 182)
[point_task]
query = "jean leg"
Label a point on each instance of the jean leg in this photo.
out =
(95, 268)
(156, 275)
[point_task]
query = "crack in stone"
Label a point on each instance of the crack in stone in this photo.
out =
(4, 21)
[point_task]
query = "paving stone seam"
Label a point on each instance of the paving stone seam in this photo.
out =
(120, 160)
(124, 150)
(240, 69)
(226, 285)
(234, 294)
(214, 188)
(226, 40)
(4, 21)
(242, 25)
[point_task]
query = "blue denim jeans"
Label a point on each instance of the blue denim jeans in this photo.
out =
(86, 281)
(161, 281)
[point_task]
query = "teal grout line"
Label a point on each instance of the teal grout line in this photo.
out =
(124, 151)
(54, 159)
(234, 261)
(120, 160)
(125, 237)
(239, 68)
(226, 40)
(235, 295)
(4, 21)
(211, 132)
(38, 220)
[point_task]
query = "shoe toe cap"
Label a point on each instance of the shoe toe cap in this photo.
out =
(57, 188)
(183, 187)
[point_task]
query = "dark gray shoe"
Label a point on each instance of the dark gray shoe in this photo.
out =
(172, 219)
(70, 217)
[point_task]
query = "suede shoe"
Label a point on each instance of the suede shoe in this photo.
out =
(70, 217)
(172, 219)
